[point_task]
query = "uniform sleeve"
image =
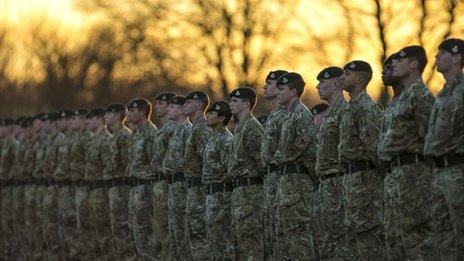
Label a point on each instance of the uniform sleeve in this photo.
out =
(253, 142)
(306, 140)
(201, 138)
(422, 112)
(368, 122)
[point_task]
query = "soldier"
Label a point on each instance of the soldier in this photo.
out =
(140, 198)
(173, 170)
(118, 193)
(219, 186)
(362, 180)
(295, 155)
(401, 142)
(319, 111)
(444, 143)
(331, 231)
(390, 222)
(196, 102)
(245, 171)
(164, 248)
(268, 148)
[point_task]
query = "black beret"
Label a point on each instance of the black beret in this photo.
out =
(197, 95)
(8, 122)
(243, 92)
(26, 122)
(390, 59)
(330, 72)
(358, 66)
(138, 103)
(53, 116)
(165, 96)
(288, 78)
(39, 116)
(220, 107)
(96, 112)
(319, 108)
(411, 51)
(178, 100)
(81, 112)
(116, 107)
(274, 75)
(66, 113)
(453, 45)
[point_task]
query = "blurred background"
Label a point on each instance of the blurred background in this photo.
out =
(74, 53)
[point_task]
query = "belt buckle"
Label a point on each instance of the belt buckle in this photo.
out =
(445, 161)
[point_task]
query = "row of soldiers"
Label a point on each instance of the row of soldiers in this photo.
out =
(367, 184)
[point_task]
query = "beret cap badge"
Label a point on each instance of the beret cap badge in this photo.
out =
(402, 53)
(195, 96)
(237, 93)
(217, 107)
(455, 49)
(63, 114)
(285, 80)
(352, 65)
(163, 97)
(273, 75)
(135, 105)
(326, 75)
(76, 112)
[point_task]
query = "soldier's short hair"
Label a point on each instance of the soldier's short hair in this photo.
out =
(222, 108)
(292, 80)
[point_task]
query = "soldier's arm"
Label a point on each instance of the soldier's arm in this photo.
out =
(422, 112)
(306, 135)
(253, 142)
(368, 123)
(201, 139)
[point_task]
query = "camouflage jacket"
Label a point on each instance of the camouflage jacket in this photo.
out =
(94, 159)
(405, 122)
(194, 148)
(359, 130)
(173, 161)
(271, 136)
(77, 151)
(298, 138)
(328, 139)
(118, 153)
(141, 151)
(39, 150)
(51, 155)
(216, 157)
(62, 164)
(244, 158)
(17, 169)
(28, 157)
(160, 145)
(6, 158)
(446, 126)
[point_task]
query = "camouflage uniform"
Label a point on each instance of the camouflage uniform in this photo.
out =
(140, 198)
(172, 166)
(164, 248)
(77, 148)
(362, 184)
(6, 162)
(196, 193)
(18, 174)
(30, 217)
(330, 229)
(296, 188)
(50, 201)
(118, 196)
(445, 137)
(405, 124)
(217, 205)
(247, 200)
(268, 149)
(98, 198)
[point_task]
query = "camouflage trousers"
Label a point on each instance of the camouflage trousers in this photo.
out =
(195, 228)
(218, 225)
(141, 221)
(99, 203)
(67, 222)
(414, 209)
(448, 212)
(50, 212)
(176, 206)
(330, 220)
(269, 213)
(119, 220)
(247, 216)
(363, 192)
(40, 250)
(9, 248)
(390, 220)
(19, 222)
(86, 242)
(296, 217)
(31, 224)
(164, 249)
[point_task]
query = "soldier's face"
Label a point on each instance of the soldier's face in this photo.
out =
(284, 94)
(325, 88)
(387, 75)
(175, 112)
(270, 90)
(402, 67)
(237, 105)
(212, 119)
(445, 60)
(161, 108)
(319, 119)
(189, 107)
(349, 80)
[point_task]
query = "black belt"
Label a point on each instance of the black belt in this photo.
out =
(271, 168)
(117, 182)
(220, 187)
(359, 165)
(294, 169)
(176, 177)
(331, 175)
(449, 160)
(406, 159)
(242, 181)
(194, 182)
(159, 176)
